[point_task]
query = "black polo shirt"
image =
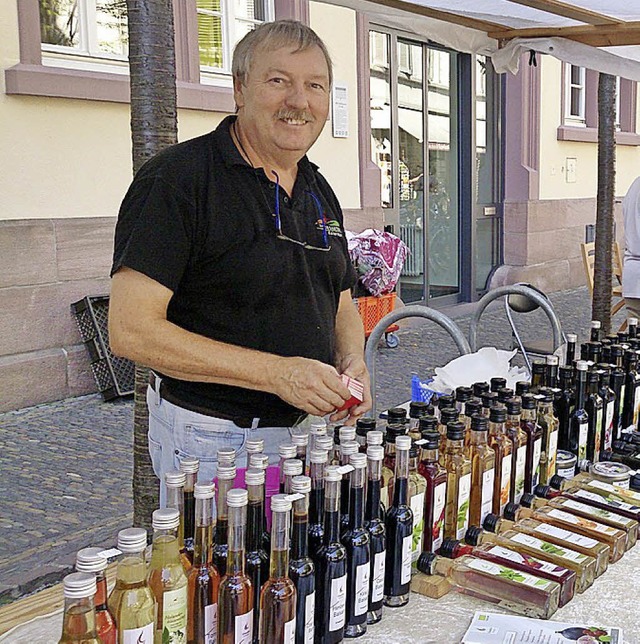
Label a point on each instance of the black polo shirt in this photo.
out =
(199, 220)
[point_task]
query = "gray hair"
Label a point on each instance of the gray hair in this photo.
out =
(274, 35)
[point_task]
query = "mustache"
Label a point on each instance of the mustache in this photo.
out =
(296, 115)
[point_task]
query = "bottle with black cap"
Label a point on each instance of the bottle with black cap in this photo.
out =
(458, 468)
(363, 426)
(617, 383)
(428, 424)
(483, 462)
(480, 388)
(489, 399)
(504, 393)
(570, 355)
(565, 406)
(448, 415)
(445, 401)
(417, 491)
(497, 383)
(397, 416)
(632, 391)
(436, 492)
(549, 449)
(522, 387)
(521, 592)
(533, 431)
(623, 337)
(501, 445)
(518, 439)
(462, 395)
(417, 408)
(579, 422)
(594, 352)
(594, 407)
(389, 465)
(538, 373)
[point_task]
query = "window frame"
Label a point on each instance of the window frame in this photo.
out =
(570, 86)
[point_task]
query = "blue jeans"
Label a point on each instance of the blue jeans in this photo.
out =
(176, 433)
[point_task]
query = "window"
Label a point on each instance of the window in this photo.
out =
(575, 101)
(378, 51)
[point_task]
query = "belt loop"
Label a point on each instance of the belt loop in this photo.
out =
(157, 381)
(255, 423)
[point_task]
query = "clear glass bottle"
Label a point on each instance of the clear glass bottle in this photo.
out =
(549, 449)
(399, 525)
(594, 407)
(302, 570)
(259, 461)
(235, 598)
(483, 471)
(79, 619)
(357, 544)
(226, 479)
(489, 399)
(92, 561)
(463, 394)
(501, 445)
(617, 382)
(436, 492)
(132, 601)
(374, 522)
(278, 595)
(347, 449)
(203, 581)
(286, 451)
(253, 446)
(190, 467)
(301, 441)
(375, 437)
(448, 415)
(290, 467)
(458, 467)
(417, 491)
(518, 439)
(417, 409)
(174, 481)
(318, 461)
(167, 578)
(389, 464)
(331, 566)
(579, 422)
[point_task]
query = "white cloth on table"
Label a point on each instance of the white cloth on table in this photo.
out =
(631, 269)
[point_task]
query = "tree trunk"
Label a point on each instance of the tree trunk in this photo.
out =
(154, 126)
(602, 274)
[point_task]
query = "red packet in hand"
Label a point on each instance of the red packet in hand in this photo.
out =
(357, 392)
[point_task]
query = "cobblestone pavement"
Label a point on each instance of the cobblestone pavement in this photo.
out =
(66, 466)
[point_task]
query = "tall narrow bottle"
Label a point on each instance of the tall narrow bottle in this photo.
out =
(448, 415)
(566, 405)
(278, 596)
(579, 423)
(132, 602)
(174, 481)
(618, 379)
(572, 339)
(302, 570)
(374, 522)
(489, 399)
(538, 374)
(594, 407)
(417, 408)
(331, 566)
(301, 441)
(632, 390)
(501, 445)
(596, 330)
(458, 467)
(167, 577)
(483, 466)
(609, 400)
(226, 478)
(533, 430)
(347, 449)
(632, 327)
(203, 581)
(286, 452)
(399, 525)
(235, 599)
(91, 560)
(363, 427)
(436, 492)
(190, 467)
(549, 452)
(551, 376)
(389, 464)
(518, 440)
(417, 491)
(318, 461)
(226, 456)
(79, 619)
(253, 446)
(290, 467)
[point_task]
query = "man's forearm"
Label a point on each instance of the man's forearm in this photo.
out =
(349, 330)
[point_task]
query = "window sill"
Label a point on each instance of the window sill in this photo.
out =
(60, 82)
(590, 135)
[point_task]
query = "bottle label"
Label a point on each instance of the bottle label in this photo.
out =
(608, 428)
(174, 614)
(142, 635)
(496, 570)
(591, 496)
(616, 489)
(598, 436)
(244, 628)
(583, 433)
(384, 497)
(289, 632)
(211, 624)
(567, 517)
(361, 600)
(518, 482)
(596, 512)
(417, 507)
(636, 404)
(439, 502)
(552, 454)
(538, 564)
(549, 548)
(566, 472)
(505, 482)
(622, 393)
(464, 498)
(405, 573)
(377, 585)
(338, 603)
(565, 535)
(535, 467)
(309, 618)
(486, 502)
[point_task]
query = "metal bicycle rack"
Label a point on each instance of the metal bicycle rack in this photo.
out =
(408, 312)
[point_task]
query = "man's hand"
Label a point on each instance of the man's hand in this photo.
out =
(310, 385)
(354, 366)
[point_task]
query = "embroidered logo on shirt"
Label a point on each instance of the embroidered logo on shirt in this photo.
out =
(333, 227)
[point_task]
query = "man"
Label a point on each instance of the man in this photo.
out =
(631, 267)
(231, 277)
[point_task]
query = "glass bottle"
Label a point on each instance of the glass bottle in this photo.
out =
(376, 437)
(497, 383)
(132, 601)
(190, 467)
(617, 382)
(347, 435)
(203, 580)
(436, 492)
(235, 598)
(551, 375)
(331, 566)
(290, 467)
(483, 464)
(417, 491)
(452, 549)
(632, 327)
(458, 467)
(278, 595)
(632, 390)
(520, 592)
(286, 451)
(364, 425)
(357, 544)
(596, 330)
(347, 449)
(253, 446)
(533, 430)
(399, 526)
(318, 461)
(463, 394)
(570, 356)
(566, 405)
(480, 388)
(91, 560)
(174, 481)
(579, 422)
(594, 406)
(259, 461)
(504, 394)
(226, 479)
(226, 456)
(518, 439)
(538, 373)
(388, 467)
(549, 448)
(301, 441)
(522, 387)
(417, 409)
(374, 522)
(302, 570)
(501, 445)
(166, 577)
(448, 415)
(79, 619)
(397, 416)
(609, 401)
(489, 399)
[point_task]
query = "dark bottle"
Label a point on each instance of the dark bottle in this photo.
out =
(632, 391)
(584, 351)
(566, 405)
(533, 430)
(497, 383)
(579, 422)
(538, 374)
(436, 495)
(331, 566)
(318, 461)
(551, 375)
(632, 328)
(226, 478)
(286, 451)
(480, 388)
(363, 426)
(347, 450)
(374, 522)
(357, 544)
(596, 330)
(257, 560)
(399, 525)
(594, 407)
(389, 464)
(302, 570)
(617, 382)
(572, 339)
(190, 467)
(594, 351)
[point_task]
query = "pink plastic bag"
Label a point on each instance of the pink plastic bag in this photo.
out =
(378, 257)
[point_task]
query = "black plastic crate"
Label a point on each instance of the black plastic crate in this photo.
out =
(114, 376)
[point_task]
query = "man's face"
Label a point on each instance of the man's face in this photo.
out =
(285, 102)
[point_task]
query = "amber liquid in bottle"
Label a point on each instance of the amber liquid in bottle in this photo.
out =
(518, 450)
(533, 431)
(483, 463)
(175, 481)
(501, 445)
(458, 467)
(79, 620)
(190, 467)
(226, 478)
(550, 433)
